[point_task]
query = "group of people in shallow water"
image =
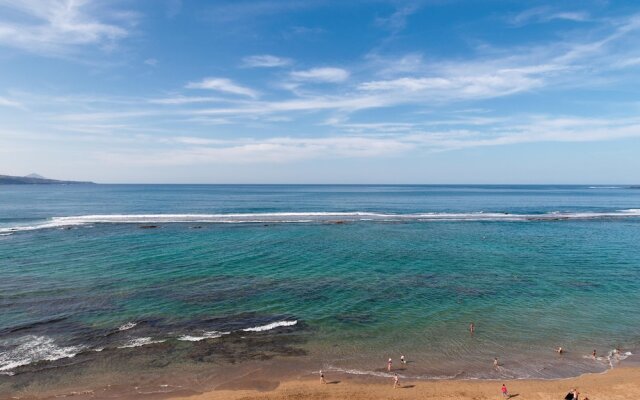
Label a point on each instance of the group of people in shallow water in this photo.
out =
(572, 395)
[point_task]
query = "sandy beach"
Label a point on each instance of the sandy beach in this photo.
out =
(620, 383)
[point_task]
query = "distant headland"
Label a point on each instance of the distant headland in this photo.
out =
(35, 179)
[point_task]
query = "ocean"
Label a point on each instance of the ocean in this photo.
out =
(160, 288)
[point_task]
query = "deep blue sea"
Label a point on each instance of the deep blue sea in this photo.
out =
(101, 282)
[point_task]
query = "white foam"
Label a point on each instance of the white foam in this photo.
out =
(138, 342)
(127, 326)
(352, 371)
(29, 349)
(270, 326)
(205, 335)
(306, 217)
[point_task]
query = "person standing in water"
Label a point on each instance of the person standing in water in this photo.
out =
(322, 377)
(396, 381)
(402, 359)
(472, 328)
(495, 363)
(559, 350)
(594, 354)
(389, 365)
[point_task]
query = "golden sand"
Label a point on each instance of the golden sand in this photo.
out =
(620, 383)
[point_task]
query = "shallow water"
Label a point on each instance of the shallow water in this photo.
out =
(161, 280)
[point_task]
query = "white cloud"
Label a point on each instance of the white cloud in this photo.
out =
(387, 139)
(223, 85)
(4, 102)
(151, 61)
(265, 61)
(179, 100)
(500, 83)
(398, 19)
(272, 150)
(546, 14)
(327, 74)
(57, 26)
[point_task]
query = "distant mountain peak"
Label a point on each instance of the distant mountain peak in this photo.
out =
(34, 179)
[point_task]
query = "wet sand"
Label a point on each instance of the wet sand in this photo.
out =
(620, 383)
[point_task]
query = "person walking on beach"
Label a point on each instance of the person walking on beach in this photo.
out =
(389, 365)
(505, 393)
(402, 359)
(322, 377)
(396, 381)
(572, 395)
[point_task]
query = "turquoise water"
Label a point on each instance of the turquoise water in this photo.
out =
(342, 277)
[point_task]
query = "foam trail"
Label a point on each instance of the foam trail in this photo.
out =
(139, 342)
(309, 217)
(127, 326)
(30, 349)
(270, 326)
(205, 335)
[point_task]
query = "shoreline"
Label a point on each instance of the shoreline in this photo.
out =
(619, 383)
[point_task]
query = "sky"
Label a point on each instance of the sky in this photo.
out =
(321, 91)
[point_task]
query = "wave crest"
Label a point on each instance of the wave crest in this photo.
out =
(310, 217)
(270, 326)
(31, 349)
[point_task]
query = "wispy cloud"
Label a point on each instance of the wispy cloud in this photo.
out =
(223, 85)
(4, 102)
(546, 14)
(58, 26)
(233, 11)
(180, 100)
(327, 74)
(397, 21)
(389, 139)
(265, 61)
(151, 61)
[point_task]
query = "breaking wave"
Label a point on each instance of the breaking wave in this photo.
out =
(127, 326)
(138, 342)
(309, 217)
(270, 326)
(203, 336)
(30, 349)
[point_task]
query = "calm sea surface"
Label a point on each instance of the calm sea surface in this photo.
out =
(174, 280)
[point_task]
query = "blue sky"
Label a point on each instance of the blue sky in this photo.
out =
(321, 91)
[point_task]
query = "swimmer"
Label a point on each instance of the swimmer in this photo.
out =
(402, 359)
(559, 350)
